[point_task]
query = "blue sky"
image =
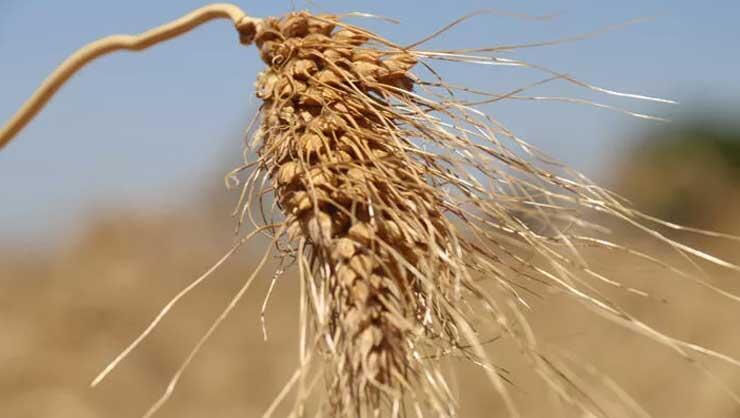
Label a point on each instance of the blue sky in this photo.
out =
(152, 129)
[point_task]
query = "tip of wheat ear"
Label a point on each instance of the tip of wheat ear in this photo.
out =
(337, 158)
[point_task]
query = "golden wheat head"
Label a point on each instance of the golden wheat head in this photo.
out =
(419, 225)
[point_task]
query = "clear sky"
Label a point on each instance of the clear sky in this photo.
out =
(153, 128)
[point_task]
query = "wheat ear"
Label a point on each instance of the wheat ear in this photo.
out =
(379, 177)
(397, 197)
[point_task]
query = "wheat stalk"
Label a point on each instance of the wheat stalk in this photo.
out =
(396, 197)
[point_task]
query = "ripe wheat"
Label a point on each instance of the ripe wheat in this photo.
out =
(396, 198)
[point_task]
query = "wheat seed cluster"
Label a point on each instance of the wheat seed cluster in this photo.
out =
(357, 201)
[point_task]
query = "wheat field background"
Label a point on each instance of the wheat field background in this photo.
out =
(66, 311)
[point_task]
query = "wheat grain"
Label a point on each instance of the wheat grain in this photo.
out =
(338, 162)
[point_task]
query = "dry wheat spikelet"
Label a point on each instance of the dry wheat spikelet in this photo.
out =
(396, 198)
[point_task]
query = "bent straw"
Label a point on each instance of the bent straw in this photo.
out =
(245, 25)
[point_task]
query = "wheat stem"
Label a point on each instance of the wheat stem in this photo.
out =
(245, 25)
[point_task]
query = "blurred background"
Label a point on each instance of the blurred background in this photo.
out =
(112, 200)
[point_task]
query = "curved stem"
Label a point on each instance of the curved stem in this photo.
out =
(246, 26)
